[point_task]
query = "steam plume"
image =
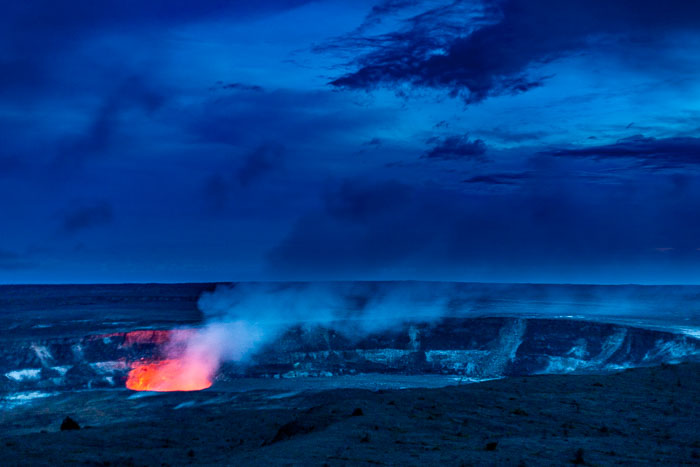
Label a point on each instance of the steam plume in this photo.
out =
(242, 318)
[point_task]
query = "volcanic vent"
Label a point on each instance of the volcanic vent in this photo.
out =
(178, 359)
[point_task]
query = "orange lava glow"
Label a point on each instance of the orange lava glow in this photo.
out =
(150, 336)
(159, 337)
(169, 375)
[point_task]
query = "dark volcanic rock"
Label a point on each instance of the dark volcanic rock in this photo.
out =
(578, 459)
(471, 347)
(292, 429)
(69, 424)
(649, 420)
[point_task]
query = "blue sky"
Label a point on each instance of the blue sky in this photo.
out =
(502, 140)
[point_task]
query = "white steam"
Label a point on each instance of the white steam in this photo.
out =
(240, 319)
(354, 308)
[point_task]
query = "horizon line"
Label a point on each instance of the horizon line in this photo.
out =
(220, 282)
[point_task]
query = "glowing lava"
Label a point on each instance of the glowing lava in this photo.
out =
(169, 375)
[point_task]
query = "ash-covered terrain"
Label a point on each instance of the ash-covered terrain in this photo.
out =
(70, 350)
(641, 416)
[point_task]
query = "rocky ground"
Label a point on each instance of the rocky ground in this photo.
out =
(647, 415)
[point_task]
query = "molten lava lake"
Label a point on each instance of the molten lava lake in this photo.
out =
(168, 375)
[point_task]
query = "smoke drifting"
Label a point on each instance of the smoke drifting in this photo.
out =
(240, 319)
(355, 308)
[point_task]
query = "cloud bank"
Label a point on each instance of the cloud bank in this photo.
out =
(477, 51)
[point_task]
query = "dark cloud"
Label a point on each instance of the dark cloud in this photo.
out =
(386, 8)
(96, 139)
(241, 172)
(124, 97)
(242, 87)
(87, 217)
(259, 162)
(550, 224)
(511, 135)
(651, 153)
(456, 148)
(360, 202)
(373, 142)
(363, 226)
(500, 178)
(383, 8)
(494, 51)
(442, 124)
